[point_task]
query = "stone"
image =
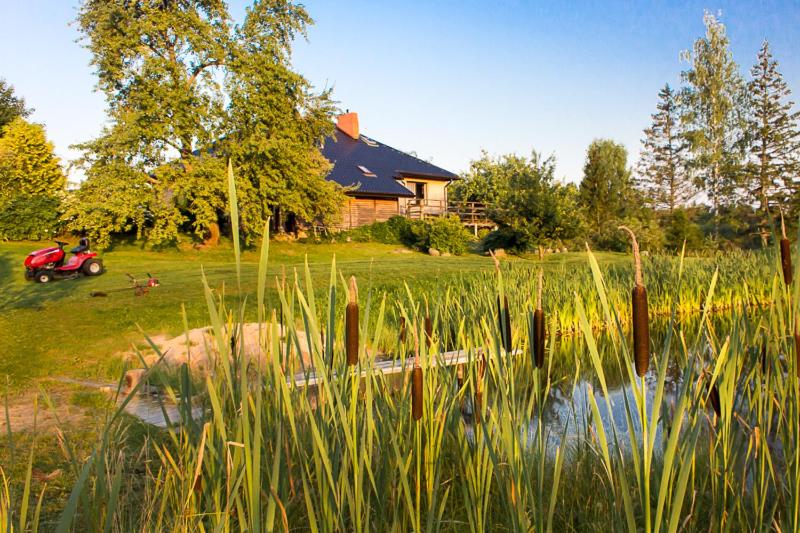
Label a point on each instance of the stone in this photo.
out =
(499, 252)
(434, 252)
(564, 250)
(446, 254)
(133, 378)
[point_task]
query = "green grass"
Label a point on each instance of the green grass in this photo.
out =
(58, 329)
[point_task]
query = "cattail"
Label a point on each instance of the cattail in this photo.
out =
(416, 392)
(351, 324)
(504, 323)
(713, 397)
(477, 406)
(786, 254)
(402, 329)
(641, 319)
(460, 375)
(428, 331)
(538, 326)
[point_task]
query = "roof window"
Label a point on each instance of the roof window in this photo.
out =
(367, 172)
(369, 142)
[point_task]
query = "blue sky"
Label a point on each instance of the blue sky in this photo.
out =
(445, 79)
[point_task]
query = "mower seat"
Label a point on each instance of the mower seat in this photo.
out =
(83, 246)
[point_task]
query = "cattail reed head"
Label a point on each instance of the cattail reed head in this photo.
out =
(538, 326)
(460, 375)
(402, 329)
(786, 254)
(351, 324)
(713, 398)
(416, 393)
(428, 331)
(641, 318)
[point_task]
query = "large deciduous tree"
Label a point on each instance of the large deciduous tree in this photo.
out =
(11, 106)
(662, 172)
(523, 197)
(187, 88)
(775, 137)
(714, 113)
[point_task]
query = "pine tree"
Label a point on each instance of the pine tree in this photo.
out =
(663, 176)
(775, 136)
(714, 115)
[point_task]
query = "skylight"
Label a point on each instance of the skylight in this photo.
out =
(367, 172)
(369, 142)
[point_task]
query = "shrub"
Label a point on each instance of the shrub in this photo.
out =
(396, 230)
(29, 217)
(446, 234)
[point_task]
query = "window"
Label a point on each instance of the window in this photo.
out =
(367, 172)
(419, 190)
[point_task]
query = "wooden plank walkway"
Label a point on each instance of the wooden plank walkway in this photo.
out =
(395, 366)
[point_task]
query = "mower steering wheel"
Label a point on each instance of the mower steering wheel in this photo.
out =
(61, 243)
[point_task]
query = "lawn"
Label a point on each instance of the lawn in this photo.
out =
(59, 330)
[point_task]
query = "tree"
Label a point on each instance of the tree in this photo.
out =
(186, 87)
(277, 123)
(714, 115)
(775, 136)
(31, 181)
(11, 106)
(606, 184)
(523, 198)
(663, 176)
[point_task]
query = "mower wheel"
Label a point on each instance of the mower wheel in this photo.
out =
(44, 276)
(92, 267)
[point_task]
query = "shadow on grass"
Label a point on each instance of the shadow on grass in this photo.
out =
(18, 293)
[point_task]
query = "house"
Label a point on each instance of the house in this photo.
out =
(382, 181)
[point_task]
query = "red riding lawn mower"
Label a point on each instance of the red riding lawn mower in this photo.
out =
(48, 264)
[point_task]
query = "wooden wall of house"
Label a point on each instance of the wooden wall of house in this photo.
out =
(359, 211)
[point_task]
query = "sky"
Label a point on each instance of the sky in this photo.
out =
(444, 79)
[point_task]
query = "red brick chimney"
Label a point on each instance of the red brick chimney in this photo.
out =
(348, 123)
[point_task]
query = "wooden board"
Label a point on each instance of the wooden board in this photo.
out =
(361, 211)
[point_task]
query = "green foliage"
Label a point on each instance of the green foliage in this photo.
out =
(446, 234)
(187, 88)
(396, 230)
(662, 169)
(680, 228)
(606, 186)
(11, 106)
(31, 182)
(523, 197)
(609, 237)
(714, 112)
(775, 143)
(30, 217)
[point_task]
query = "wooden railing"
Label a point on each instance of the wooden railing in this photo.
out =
(420, 208)
(468, 212)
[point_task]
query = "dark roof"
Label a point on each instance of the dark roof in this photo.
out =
(386, 163)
